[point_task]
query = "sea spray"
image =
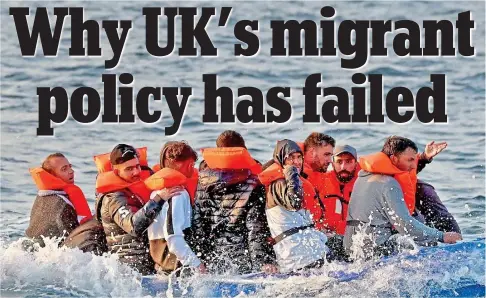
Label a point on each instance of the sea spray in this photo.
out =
(426, 272)
(64, 271)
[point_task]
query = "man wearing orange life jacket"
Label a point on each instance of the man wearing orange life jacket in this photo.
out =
(60, 205)
(337, 187)
(297, 244)
(170, 234)
(317, 149)
(335, 191)
(338, 184)
(230, 227)
(379, 203)
(126, 210)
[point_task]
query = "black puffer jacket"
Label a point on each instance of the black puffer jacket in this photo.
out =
(125, 220)
(229, 225)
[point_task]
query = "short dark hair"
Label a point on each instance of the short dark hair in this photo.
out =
(316, 139)
(122, 153)
(46, 164)
(395, 145)
(230, 138)
(176, 151)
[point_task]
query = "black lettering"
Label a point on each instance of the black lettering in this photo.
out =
(393, 103)
(413, 37)
(152, 30)
(77, 105)
(40, 30)
(198, 33)
(360, 46)
(328, 47)
(78, 26)
(294, 29)
(376, 99)
(45, 115)
(143, 109)
(329, 113)
(247, 37)
(280, 104)
(211, 95)
(117, 43)
(177, 110)
(109, 104)
(311, 91)
(126, 99)
(359, 99)
(464, 25)
(256, 105)
(432, 29)
(378, 43)
(438, 95)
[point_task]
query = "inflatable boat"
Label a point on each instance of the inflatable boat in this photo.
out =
(442, 271)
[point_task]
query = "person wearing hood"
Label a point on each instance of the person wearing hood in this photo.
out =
(297, 244)
(60, 205)
(383, 201)
(230, 230)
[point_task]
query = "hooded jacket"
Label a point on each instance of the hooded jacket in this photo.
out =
(286, 193)
(230, 230)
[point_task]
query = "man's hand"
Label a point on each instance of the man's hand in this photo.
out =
(287, 169)
(433, 148)
(269, 269)
(452, 237)
(167, 193)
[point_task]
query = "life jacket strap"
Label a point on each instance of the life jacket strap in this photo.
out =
(343, 200)
(290, 232)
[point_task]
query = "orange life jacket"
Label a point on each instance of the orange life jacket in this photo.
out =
(334, 199)
(379, 163)
(156, 167)
(107, 182)
(311, 200)
(46, 181)
(167, 178)
(103, 163)
(231, 158)
(316, 207)
(191, 184)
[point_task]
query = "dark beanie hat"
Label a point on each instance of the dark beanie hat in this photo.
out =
(122, 153)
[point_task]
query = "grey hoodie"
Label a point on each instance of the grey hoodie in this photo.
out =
(377, 205)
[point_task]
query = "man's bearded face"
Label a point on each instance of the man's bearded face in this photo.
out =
(345, 167)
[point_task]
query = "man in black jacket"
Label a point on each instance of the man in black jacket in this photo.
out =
(230, 229)
(126, 211)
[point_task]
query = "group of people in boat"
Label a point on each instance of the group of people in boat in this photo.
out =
(314, 202)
